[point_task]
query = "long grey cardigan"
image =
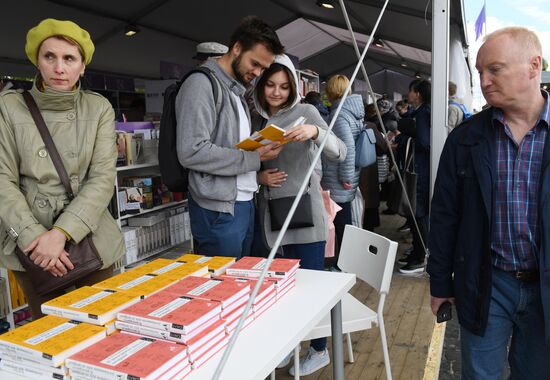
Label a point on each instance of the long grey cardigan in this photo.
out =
(295, 159)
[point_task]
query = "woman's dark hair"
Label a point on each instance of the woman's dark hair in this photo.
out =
(251, 31)
(273, 69)
(424, 88)
(313, 97)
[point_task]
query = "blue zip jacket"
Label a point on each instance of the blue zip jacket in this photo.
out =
(347, 127)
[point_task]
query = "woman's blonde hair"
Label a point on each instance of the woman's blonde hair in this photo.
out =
(336, 86)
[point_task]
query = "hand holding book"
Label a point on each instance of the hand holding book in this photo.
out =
(302, 132)
(269, 135)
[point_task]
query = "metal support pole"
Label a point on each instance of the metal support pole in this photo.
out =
(440, 80)
(337, 344)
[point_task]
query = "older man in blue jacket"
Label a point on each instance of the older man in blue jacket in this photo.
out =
(490, 217)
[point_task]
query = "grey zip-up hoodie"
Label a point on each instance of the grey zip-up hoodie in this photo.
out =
(206, 140)
(295, 159)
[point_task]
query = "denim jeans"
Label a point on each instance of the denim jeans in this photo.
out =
(311, 256)
(515, 313)
(220, 233)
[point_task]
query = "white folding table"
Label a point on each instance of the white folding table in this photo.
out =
(267, 340)
(264, 343)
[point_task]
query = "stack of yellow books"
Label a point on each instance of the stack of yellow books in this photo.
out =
(135, 283)
(40, 348)
(88, 304)
(216, 264)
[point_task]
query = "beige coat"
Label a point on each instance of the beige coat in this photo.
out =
(31, 194)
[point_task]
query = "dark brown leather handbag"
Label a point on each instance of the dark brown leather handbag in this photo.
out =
(83, 255)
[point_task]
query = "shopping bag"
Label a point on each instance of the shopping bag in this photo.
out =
(332, 208)
(409, 181)
(357, 208)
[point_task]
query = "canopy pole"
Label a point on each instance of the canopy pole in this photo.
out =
(371, 93)
(305, 183)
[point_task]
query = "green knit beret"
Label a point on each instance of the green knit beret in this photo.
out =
(51, 27)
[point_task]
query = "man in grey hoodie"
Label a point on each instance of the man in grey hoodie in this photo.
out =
(222, 178)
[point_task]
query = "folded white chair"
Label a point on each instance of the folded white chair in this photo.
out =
(371, 257)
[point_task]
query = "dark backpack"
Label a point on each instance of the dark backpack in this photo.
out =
(467, 114)
(175, 176)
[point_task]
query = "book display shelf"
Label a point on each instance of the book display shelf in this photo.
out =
(307, 81)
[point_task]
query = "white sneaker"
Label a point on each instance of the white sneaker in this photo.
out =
(312, 361)
(286, 360)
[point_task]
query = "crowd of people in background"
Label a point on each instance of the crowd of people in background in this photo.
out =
(483, 203)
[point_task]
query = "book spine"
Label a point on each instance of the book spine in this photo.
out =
(165, 326)
(242, 272)
(89, 371)
(71, 314)
(9, 349)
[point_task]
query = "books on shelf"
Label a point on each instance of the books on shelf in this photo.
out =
(249, 266)
(49, 340)
(88, 304)
(135, 283)
(216, 264)
(171, 312)
(126, 356)
(269, 134)
(225, 291)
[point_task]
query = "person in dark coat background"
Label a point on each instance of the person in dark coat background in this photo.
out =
(420, 97)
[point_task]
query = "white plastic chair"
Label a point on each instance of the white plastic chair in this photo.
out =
(371, 257)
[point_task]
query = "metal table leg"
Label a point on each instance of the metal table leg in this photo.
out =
(337, 344)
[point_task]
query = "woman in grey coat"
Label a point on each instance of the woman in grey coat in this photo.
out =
(342, 178)
(277, 101)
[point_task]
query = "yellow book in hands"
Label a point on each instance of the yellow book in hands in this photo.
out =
(49, 340)
(87, 304)
(269, 134)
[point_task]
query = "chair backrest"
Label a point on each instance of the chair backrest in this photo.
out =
(370, 256)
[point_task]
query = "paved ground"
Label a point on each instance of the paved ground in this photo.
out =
(450, 360)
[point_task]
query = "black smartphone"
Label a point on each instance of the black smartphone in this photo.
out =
(445, 312)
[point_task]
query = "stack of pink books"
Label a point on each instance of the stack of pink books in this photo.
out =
(126, 356)
(282, 272)
(230, 294)
(266, 296)
(168, 315)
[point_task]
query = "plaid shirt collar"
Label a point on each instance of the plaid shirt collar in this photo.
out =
(544, 117)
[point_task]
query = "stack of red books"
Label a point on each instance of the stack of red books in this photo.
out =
(230, 294)
(179, 314)
(266, 296)
(125, 356)
(282, 272)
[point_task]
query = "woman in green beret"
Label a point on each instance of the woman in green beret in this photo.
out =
(35, 212)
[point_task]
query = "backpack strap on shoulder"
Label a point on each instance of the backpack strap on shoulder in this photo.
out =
(216, 88)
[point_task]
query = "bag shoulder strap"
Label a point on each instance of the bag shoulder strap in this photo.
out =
(216, 89)
(409, 154)
(48, 141)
